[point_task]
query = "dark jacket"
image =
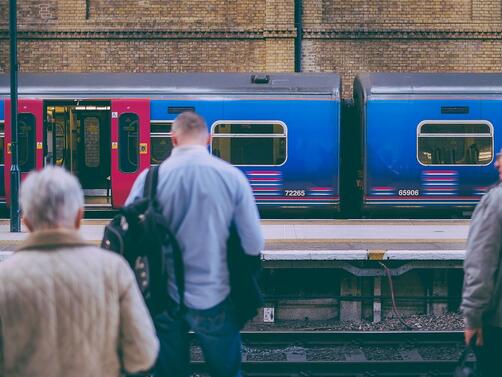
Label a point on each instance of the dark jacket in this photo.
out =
(482, 293)
(243, 270)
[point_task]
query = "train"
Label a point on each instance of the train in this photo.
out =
(403, 141)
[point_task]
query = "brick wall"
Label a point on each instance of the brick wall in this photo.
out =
(256, 35)
(407, 35)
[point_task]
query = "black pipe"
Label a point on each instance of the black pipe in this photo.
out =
(15, 218)
(299, 34)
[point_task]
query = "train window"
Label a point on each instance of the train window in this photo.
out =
(160, 127)
(59, 128)
(128, 142)
(455, 143)
(161, 143)
(26, 139)
(250, 143)
(249, 128)
(455, 128)
(161, 147)
(91, 142)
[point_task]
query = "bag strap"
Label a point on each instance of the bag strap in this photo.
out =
(149, 191)
(468, 350)
(179, 273)
(151, 181)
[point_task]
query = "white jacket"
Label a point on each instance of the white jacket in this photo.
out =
(71, 309)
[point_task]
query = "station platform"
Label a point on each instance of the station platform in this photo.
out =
(363, 254)
(329, 240)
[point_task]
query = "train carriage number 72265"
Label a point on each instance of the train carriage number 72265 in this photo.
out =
(294, 192)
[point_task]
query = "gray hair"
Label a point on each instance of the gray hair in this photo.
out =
(190, 123)
(51, 198)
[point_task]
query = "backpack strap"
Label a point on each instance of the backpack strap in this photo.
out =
(179, 275)
(149, 191)
(151, 181)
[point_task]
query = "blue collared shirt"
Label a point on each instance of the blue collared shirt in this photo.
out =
(200, 196)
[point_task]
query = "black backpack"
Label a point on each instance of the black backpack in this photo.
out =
(141, 235)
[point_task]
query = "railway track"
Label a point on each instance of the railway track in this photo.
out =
(361, 354)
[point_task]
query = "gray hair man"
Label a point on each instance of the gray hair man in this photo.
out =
(68, 308)
(482, 293)
(201, 196)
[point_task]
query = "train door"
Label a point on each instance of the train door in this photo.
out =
(77, 137)
(2, 152)
(30, 136)
(93, 166)
(130, 136)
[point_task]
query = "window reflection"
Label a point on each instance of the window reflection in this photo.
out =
(26, 139)
(250, 143)
(438, 145)
(128, 142)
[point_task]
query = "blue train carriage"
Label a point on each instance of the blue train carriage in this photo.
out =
(281, 130)
(428, 139)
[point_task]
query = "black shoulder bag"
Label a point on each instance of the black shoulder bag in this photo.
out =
(465, 367)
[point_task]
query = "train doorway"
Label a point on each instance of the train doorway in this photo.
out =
(77, 137)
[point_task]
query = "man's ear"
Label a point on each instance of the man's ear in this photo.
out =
(27, 224)
(209, 138)
(174, 140)
(78, 219)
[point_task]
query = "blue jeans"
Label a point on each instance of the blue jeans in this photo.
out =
(217, 333)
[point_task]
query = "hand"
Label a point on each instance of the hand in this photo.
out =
(478, 333)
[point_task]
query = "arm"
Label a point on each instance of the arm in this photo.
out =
(139, 345)
(247, 219)
(137, 188)
(482, 259)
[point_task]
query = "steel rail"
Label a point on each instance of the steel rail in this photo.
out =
(340, 338)
(411, 364)
(342, 368)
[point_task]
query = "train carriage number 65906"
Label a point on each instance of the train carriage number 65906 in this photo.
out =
(408, 192)
(295, 192)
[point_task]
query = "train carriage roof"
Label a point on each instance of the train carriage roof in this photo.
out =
(159, 84)
(375, 84)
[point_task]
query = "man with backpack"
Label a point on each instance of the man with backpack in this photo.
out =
(201, 197)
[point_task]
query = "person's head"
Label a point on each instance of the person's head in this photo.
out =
(189, 128)
(51, 198)
(498, 164)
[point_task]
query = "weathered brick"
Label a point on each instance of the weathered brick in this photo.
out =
(255, 35)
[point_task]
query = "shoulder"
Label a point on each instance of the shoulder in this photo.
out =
(489, 205)
(492, 196)
(112, 266)
(227, 168)
(108, 257)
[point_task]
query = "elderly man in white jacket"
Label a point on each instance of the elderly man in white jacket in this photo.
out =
(68, 308)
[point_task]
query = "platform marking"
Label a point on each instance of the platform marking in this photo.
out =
(376, 254)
